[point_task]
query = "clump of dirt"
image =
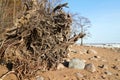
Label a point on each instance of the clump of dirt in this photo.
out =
(38, 41)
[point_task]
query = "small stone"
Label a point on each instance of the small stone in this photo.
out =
(91, 51)
(117, 74)
(116, 67)
(93, 58)
(90, 67)
(39, 78)
(60, 66)
(74, 51)
(108, 73)
(79, 75)
(117, 60)
(97, 57)
(103, 76)
(103, 66)
(77, 64)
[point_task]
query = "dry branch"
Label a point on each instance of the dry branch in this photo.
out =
(60, 6)
(6, 74)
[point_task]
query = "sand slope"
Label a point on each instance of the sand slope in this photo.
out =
(106, 61)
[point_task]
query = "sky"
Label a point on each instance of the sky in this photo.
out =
(104, 16)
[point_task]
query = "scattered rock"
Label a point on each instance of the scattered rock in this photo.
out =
(108, 72)
(95, 58)
(117, 74)
(79, 75)
(60, 66)
(91, 51)
(39, 78)
(77, 64)
(90, 67)
(92, 58)
(116, 67)
(117, 60)
(103, 66)
(103, 76)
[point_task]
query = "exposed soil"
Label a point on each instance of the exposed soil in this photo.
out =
(106, 57)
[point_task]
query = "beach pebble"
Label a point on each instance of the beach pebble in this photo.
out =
(103, 66)
(103, 76)
(60, 66)
(39, 78)
(108, 72)
(90, 67)
(79, 75)
(76, 63)
(116, 67)
(91, 51)
(117, 60)
(94, 58)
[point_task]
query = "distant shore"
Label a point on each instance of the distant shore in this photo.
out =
(104, 45)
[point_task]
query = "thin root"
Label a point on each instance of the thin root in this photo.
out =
(6, 74)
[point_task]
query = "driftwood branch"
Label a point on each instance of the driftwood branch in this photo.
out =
(76, 37)
(39, 41)
(6, 74)
(60, 6)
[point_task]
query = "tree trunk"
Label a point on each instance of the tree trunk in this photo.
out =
(81, 42)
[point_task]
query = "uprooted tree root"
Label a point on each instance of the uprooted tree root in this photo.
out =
(40, 43)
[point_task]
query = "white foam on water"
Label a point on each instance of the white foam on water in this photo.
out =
(106, 45)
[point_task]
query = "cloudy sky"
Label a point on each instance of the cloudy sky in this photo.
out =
(104, 16)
